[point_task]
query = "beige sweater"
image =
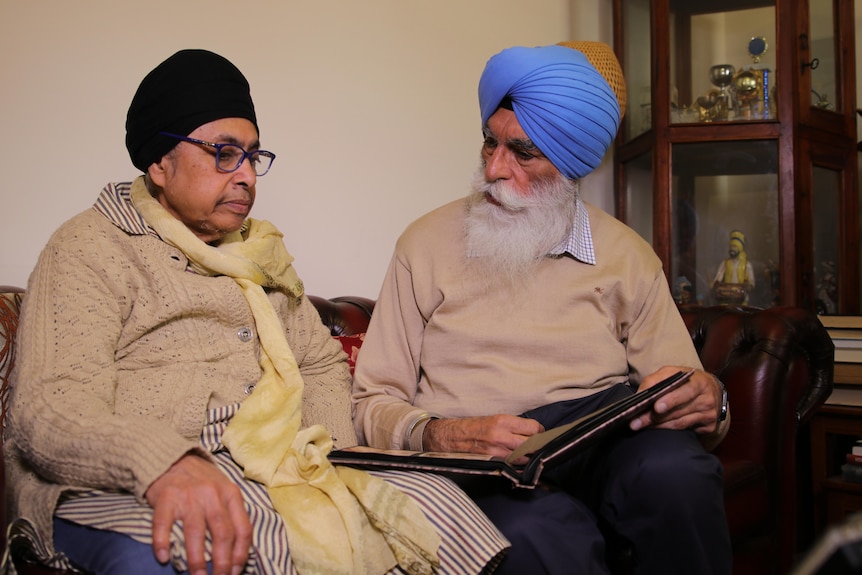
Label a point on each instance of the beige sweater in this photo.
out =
(440, 342)
(121, 351)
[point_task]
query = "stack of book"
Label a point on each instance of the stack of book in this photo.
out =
(846, 334)
(852, 469)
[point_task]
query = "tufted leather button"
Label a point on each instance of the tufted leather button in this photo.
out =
(249, 388)
(245, 334)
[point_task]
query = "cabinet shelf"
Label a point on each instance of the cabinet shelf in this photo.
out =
(837, 483)
(709, 6)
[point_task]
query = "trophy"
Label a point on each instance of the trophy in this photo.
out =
(721, 76)
(748, 87)
(711, 107)
(757, 47)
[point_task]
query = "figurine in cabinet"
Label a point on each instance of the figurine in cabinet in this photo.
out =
(827, 289)
(683, 292)
(734, 279)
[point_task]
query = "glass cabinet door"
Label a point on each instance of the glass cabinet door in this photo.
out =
(723, 60)
(821, 53)
(635, 19)
(725, 230)
(827, 184)
(637, 181)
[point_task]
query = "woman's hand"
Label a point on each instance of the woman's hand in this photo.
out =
(197, 493)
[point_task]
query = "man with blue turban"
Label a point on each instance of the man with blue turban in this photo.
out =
(521, 308)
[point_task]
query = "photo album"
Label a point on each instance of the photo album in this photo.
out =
(544, 450)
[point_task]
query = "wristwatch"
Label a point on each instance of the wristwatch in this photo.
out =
(722, 412)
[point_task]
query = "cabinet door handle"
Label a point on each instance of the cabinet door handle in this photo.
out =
(812, 64)
(803, 45)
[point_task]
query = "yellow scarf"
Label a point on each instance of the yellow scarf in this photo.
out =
(339, 520)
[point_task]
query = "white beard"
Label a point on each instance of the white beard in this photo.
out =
(512, 239)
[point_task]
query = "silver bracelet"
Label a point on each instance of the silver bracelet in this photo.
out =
(423, 417)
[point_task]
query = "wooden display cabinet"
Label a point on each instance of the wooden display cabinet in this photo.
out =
(741, 117)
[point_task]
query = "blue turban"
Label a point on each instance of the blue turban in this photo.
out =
(562, 102)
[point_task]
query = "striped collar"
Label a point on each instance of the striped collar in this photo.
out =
(115, 204)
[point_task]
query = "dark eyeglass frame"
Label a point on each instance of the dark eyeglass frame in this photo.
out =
(253, 155)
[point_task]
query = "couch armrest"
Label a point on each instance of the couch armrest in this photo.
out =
(10, 304)
(777, 364)
(345, 315)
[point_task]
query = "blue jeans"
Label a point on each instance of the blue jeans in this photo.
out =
(104, 552)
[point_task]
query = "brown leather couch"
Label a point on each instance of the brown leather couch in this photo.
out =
(777, 364)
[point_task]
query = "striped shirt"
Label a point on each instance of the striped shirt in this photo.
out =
(469, 540)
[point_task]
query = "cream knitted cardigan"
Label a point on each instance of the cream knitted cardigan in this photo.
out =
(94, 402)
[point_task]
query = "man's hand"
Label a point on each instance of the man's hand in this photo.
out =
(197, 493)
(496, 435)
(693, 405)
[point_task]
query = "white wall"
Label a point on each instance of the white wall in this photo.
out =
(370, 106)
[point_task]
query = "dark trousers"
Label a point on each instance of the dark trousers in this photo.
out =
(646, 502)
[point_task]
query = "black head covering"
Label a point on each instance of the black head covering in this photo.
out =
(186, 91)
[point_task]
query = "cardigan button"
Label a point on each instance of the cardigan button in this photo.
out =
(249, 388)
(245, 334)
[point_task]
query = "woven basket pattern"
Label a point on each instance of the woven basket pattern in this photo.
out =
(10, 304)
(603, 59)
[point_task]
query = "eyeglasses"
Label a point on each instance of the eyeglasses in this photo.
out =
(229, 157)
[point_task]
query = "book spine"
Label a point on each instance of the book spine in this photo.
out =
(852, 469)
(848, 355)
